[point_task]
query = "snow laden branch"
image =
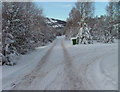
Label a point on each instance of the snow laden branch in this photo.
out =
(23, 29)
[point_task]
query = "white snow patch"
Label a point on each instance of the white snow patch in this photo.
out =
(25, 64)
(96, 64)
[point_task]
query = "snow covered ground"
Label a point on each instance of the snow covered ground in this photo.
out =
(62, 66)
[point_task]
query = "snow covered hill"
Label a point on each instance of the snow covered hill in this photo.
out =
(55, 23)
(62, 66)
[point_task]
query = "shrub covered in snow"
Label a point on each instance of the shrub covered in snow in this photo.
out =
(84, 34)
(23, 29)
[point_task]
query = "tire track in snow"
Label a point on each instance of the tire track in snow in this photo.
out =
(72, 80)
(27, 80)
(86, 67)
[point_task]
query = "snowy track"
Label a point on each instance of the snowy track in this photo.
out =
(72, 80)
(28, 79)
(67, 67)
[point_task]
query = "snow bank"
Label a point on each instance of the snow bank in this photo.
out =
(25, 64)
(96, 64)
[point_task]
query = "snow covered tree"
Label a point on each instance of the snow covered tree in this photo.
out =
(0, 33)
(113, 19)
(79, 14)
(113, 10)
(84, 34)
(23, 29)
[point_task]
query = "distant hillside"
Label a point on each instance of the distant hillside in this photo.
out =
(55, 23)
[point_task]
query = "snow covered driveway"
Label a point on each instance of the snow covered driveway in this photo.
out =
(67, 67)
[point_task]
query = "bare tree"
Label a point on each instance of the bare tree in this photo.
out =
(81, 13)
(86, 9)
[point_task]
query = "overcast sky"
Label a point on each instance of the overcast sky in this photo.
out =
(60, 10)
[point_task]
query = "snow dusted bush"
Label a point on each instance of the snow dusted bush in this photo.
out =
(23, 29)
(84, 34)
